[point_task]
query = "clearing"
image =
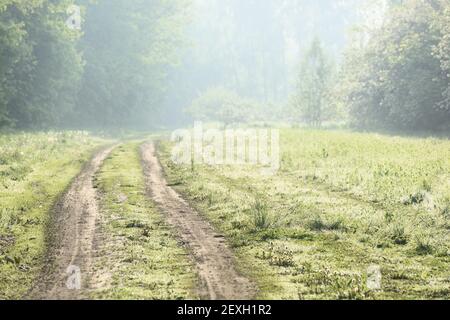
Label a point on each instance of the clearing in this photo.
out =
(138, 226)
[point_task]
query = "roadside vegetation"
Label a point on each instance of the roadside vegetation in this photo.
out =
(140, 255)
(35, 169)
(341, 203)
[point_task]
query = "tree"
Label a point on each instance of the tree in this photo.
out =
(222, 105)
(443, 53)
(114, 73)
(39, 63)
(126, 74)
(397, 80)
(310, 102)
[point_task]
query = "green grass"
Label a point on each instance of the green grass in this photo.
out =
(143, 257)
(35, 169)
(341, 203)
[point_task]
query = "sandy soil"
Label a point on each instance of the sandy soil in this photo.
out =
(214, 260)
(73, 240)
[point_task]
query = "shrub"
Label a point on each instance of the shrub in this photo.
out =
(223, 105)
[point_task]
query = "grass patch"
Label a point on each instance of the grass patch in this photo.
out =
(141, 254)
(260, 216)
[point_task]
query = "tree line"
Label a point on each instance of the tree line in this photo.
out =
(112, 72)
(395, 76)
(118, 69)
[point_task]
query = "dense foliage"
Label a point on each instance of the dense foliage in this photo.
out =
(39, 64)
(400, 78)
(126, 74)
(52, 75)
(127, 66)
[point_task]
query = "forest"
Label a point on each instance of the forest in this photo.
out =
(280, 58)
(224, 150)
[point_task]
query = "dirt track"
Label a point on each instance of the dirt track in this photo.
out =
(214, 260)
(73, 239)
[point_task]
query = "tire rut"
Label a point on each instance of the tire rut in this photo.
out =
(213, 258)
(73, 239)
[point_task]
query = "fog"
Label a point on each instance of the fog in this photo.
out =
(254, 47)
(146, 64)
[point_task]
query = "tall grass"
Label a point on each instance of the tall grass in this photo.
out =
(260, 215)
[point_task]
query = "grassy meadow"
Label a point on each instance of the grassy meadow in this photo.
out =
(35, 169)
(341, 203)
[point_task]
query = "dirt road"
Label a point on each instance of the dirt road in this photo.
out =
(68, 273)
(214, 260)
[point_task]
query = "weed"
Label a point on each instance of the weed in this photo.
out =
(423, 245)
(260, 215)
(136, 224)
(398, 234)
(238, 223)
(317, 223)
(16, 172)
(350, 287)
(415, 198)
(426, 185)
(211, 199)
(445, 207)
(400, 275)
(389, 217)
(283, 258)
(279, 256)
(270, 234)
(146, 232)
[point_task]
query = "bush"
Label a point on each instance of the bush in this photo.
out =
(223, 105)
(399, 80)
